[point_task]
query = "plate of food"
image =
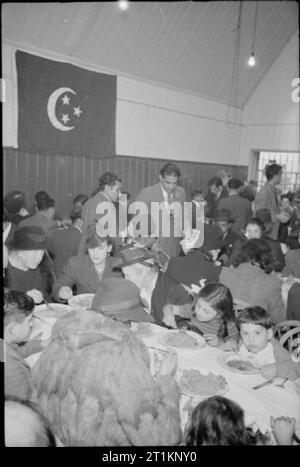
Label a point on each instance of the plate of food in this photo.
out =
(193, 383)
(238, 365)
(83, 300)
(51, 310)
(183, 340)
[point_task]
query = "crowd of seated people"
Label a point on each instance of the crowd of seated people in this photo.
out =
(236, 257)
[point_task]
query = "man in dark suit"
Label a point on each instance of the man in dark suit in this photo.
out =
(109, 190)
(216, 191)
(65, 242)
(224, 220)
(239, 208)
(267, 198)
(167, 192)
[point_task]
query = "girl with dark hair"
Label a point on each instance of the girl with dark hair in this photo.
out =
(249, 281)
(212, 315)
(220, 421)
(256, 252)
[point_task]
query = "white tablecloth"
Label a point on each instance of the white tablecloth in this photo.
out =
(258, 405)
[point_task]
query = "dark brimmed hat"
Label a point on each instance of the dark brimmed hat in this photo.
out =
(120, 299)
(14, 201)
(28, 238)
(128, 256)
(223, 215)
(264, 215)
(213, 238)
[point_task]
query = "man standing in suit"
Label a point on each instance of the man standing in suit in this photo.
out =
(224, 220)
(267, 198)
(239, 208)
(109, 190)
(216, 191)
(166, 191)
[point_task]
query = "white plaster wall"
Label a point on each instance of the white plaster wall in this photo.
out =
(270, 116)
(156, 122)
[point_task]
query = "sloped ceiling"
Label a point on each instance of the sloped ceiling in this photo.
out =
(183, 45)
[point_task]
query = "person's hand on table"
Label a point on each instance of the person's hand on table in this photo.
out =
(283, 429)
(168, 316)
(36, 295)
(268, 371)
(212, 339)
(169, 365)
(65, 293)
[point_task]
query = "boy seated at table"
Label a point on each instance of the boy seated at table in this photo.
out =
(18, 309)
(259, 346)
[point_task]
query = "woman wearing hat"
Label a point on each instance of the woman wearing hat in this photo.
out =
(85, 272)
(26, 252)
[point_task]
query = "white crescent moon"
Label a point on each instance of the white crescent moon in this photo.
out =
(51, 109)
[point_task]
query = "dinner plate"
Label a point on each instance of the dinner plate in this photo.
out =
(225, 359)
(170, 335)
(199, 396)
(52, 310)
(83, 300)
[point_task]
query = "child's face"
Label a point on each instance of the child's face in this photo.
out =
(204, 311)
(21, 331)
(255, 337)
(253, 231)
(285, 203)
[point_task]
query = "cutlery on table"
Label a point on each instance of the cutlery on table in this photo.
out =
(281, 385)
(270, 381)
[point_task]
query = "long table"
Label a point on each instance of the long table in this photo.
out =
(258, 405)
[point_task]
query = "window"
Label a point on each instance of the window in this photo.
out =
(290, 162)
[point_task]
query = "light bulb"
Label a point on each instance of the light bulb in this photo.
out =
(123, 4)
(252, 61)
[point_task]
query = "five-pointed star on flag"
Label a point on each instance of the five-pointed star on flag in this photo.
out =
(65, 118)
(66, 99)
(77, 111)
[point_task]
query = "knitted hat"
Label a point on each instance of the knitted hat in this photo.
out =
(120, 299)
(14, 201)
(28, 238)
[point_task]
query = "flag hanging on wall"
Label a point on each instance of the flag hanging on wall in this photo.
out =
(64, 109)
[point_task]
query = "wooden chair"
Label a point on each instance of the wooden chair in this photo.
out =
(288, 334)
